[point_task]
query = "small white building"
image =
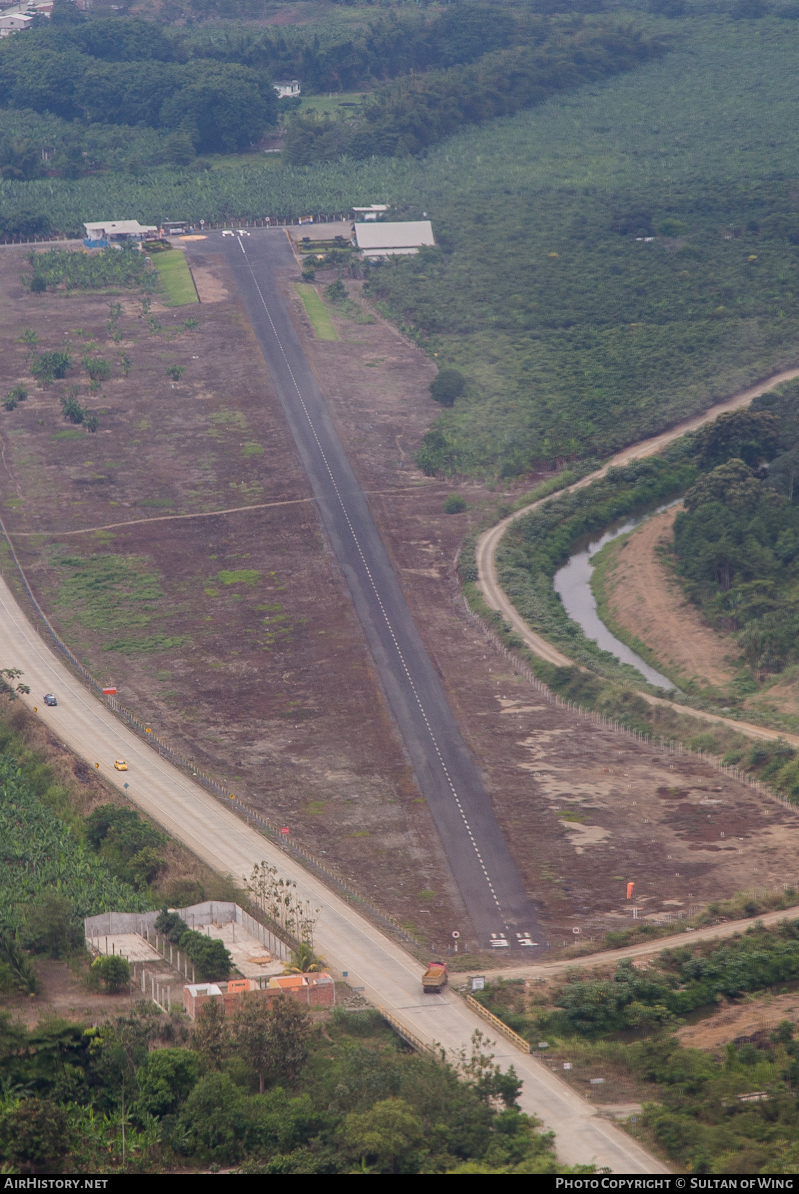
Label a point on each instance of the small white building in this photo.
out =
(393, 239)
(13, 23)
(119, 231)
(371, 212)
(287, 90)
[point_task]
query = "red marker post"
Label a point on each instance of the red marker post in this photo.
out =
(630, 887)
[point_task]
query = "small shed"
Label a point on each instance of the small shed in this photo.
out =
(288, 89)
(393, 239)
(371, 212)
(109, 232)
(14, 22)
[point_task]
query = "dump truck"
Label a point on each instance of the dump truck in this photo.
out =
(435, 977)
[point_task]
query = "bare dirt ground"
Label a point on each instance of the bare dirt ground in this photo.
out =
(64, 993)
(731, 1021)
(235, 637)
(646, 599)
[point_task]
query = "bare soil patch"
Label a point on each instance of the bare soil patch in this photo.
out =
(210, 287)
(754, 1019)
(254, 663)
(646, 599)
(63, 992)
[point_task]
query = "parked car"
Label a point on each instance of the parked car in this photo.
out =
(49, 699)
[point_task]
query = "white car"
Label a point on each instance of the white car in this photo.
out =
(241, 232)
(227, 232)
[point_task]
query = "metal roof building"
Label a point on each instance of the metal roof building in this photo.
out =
(119, 230)
(387, 239)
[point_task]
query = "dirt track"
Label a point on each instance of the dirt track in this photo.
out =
(648, 948)
(488, 542)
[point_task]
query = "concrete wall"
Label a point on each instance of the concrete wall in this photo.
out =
(197, 916)
(321, 994)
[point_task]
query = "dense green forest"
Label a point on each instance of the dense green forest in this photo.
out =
(408, 116)
(339, 1095)
(214, 94)
(737, 542)
(620, 1026)
(575, 336)
(125, 71)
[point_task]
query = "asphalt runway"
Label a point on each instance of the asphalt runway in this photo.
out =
(489, 883)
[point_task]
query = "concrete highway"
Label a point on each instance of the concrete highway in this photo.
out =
(380, 968)
(488, 880)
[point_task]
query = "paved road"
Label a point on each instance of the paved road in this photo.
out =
(489, 883)
(489, 541)
(379, 967)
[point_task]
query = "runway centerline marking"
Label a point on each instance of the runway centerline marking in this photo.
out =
(375, 589)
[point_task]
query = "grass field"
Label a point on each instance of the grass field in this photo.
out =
(314, 309)
(339, 107)
(176, 279)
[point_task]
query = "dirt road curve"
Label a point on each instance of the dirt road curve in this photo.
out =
(647, 948)
(489, 541)
(380, 968)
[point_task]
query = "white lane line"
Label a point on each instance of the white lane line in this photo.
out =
(378, 598)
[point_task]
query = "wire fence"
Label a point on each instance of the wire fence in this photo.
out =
(203, 226)
(655, 742)
(276, 833)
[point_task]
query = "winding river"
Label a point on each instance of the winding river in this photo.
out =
(573, 584)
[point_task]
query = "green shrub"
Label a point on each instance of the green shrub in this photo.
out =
(98, 368)
(336, 292)
(211, 960)
(131, 846)
(112, 971)
(447, 386)
(14, 396)
(48, 366)
(165, 1080)
(454, 504)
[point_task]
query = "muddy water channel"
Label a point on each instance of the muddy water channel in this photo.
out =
(573, 584)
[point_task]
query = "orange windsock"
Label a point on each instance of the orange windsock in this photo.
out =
(630, 887)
